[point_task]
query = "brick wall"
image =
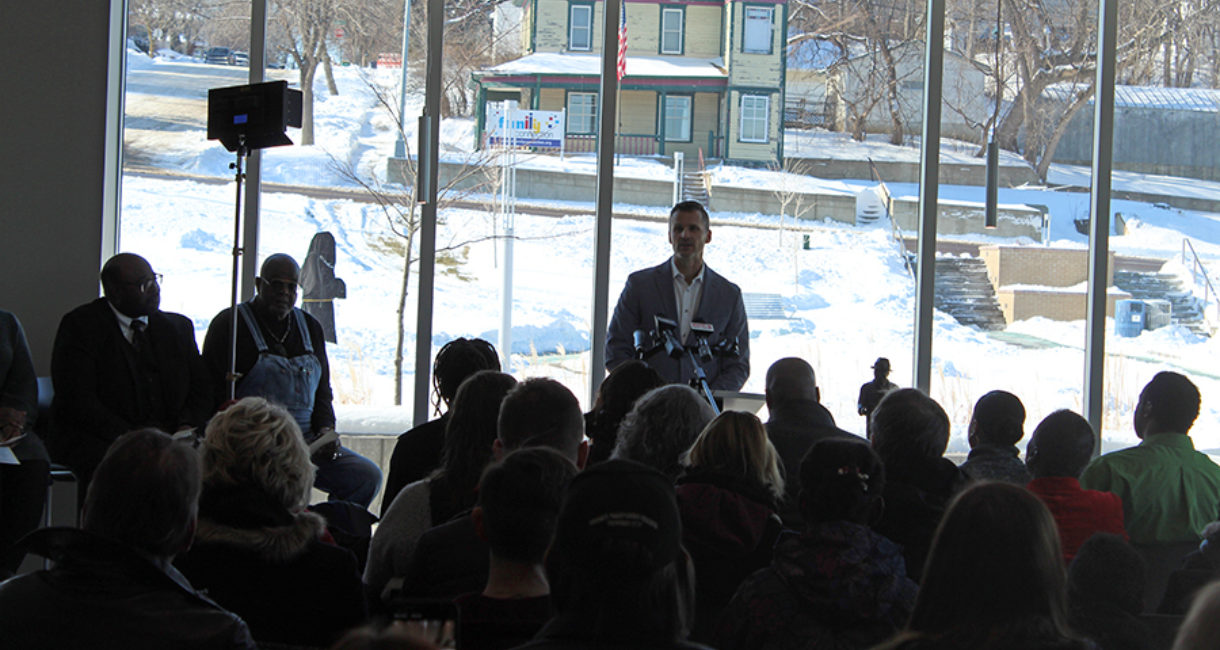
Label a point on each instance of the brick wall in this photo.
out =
(1022, 304)
(1048, 267)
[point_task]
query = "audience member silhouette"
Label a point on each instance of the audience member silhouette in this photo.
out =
(23, 486)
(996, 426)
(1170, 492)
(257, 551)
(728, 496)
(994, 579)
(838, 584)
(120, 363)
(615, 397)
(112, 584)
(910, 433)
(519, 499)
(451, 559)
(661, 426)
(619, 576)
(1058, 451)
(452, 488)
(1106, 594)
(795, 421)
(1199, 568)
(417, 453)
(1201, 628)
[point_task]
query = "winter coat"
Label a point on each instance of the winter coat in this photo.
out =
(729, 528)
(838, 585)
(272, 568)
(915, 500)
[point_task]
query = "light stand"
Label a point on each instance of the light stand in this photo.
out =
(239, 176)
(245, 118)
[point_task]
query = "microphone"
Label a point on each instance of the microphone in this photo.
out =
(702, 331)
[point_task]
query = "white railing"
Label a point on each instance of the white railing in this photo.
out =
(1197, 270)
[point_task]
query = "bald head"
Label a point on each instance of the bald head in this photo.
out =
(791, 380)
(276, 286)
(129, 283)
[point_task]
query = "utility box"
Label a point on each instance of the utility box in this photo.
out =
(1129, 318)
(1157, 314)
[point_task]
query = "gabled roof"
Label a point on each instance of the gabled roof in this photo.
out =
(562, 63)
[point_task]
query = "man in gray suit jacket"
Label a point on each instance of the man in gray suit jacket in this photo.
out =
(685, 290)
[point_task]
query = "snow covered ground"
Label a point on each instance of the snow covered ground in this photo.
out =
(849, 298)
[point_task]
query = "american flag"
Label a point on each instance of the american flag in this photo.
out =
(622, 40)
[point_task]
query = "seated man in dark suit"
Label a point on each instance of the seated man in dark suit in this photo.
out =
(796, 419)
(683, 289)
(113, 584)
(119, 363)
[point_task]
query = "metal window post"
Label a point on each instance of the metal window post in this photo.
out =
(607, 117)
(1099, 218)
(250, 225)
(929, 171)
(428, 174)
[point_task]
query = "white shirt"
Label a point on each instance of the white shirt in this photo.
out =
(125, 321)
(687, 297)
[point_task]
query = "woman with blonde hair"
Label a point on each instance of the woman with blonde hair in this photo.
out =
(257, 551)
(728, 496)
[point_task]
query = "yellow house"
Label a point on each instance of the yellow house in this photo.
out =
(703, 76)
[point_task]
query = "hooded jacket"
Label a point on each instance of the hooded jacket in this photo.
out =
(272, 568)
(838, 585)
(729, 527)
(104, 594)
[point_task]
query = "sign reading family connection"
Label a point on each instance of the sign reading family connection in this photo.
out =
(523, 128)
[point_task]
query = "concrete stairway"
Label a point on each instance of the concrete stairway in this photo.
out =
(764, 306)
(693, 188)
(1165, 286)
(964, 292)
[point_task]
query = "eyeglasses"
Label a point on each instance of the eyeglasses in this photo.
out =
(280, 285)
(146, 284)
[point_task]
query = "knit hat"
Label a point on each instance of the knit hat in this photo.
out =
(620, 499)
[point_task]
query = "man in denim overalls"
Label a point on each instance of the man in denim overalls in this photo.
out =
(281, 355)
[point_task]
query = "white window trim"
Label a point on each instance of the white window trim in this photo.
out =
(587, 27)
(741, 124)
(592, 114)
(689, 117)
(681, 28)
(770, 24)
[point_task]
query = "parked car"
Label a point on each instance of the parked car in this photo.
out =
(239, 58)
(218, 55)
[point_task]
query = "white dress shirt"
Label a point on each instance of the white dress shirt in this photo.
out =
(125, 322)
(687, 297)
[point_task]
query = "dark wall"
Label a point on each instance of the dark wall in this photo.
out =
(53, 127)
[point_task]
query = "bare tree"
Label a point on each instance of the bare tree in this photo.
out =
(1054, 45)
(176, 24)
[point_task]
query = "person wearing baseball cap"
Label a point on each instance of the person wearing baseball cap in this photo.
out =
(619, 575)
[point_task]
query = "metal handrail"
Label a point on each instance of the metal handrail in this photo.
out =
(1197, 269)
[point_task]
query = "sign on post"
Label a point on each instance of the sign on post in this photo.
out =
(524, 128)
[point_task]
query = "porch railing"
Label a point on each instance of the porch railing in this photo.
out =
(630, 144)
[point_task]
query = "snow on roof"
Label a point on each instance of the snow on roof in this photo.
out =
(813, 54)
(1203, 100)
(591, 64)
